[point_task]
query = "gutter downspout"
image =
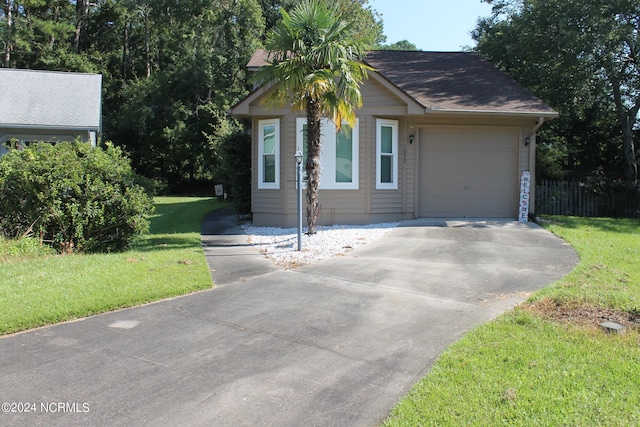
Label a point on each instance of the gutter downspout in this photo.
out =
(539, 123)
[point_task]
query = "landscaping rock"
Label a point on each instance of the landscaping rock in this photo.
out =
(613, 328)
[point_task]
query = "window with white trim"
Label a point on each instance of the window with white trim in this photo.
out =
(269, 154)
(386, 154)
(339, 156)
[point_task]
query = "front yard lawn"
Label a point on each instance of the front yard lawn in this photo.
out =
(547, 363)
(38, 288)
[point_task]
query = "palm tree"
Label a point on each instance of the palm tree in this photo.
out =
(315, 65)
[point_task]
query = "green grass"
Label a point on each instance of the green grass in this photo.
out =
(22, 249)
(38, 288)
(524, 370)
(609, 272)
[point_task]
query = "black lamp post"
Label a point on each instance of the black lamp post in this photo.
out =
(299, 157)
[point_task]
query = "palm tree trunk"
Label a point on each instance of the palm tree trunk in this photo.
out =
(313, 161)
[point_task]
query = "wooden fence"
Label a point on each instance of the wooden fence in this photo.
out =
(570, 198)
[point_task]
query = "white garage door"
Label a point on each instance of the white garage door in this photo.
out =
(468, 172)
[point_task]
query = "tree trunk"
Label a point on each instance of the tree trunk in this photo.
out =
(313, 161)
(627, 119)
(8, 42)
(125, 49)
(629, 154)
(147, 46)
(82, 15)
(56, 16)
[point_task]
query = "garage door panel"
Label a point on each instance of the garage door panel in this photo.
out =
(452, 208)
(445, 141)
(450, 187)
(493, 185)
(493, 163)
(444, 176)
(445, 164)
(494, 141)
(442, 206)
(468, 173)
(488, 208)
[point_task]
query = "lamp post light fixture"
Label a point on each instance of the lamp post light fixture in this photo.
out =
(299, 157)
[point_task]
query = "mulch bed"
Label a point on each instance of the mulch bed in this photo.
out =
(583, 316)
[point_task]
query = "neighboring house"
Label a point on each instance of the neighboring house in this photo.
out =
(439, 134)
(49, 106)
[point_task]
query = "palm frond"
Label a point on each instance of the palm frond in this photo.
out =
(315, 53)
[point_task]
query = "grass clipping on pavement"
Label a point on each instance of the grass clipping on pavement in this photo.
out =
(39, 288)
(547, 363)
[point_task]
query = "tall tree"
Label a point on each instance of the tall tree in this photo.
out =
(368, 22)
(39, 34)
(82, 16)
(7, 31)
(185, 64)
(316, 67)
(581, 56)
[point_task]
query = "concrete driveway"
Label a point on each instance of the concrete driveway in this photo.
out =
(336, 343)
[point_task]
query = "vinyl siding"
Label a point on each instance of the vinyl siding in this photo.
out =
(338, 206)
(366, 204)
(389, 201)
(408, 163)
(347, 204)
(265, 200)
(374, 94)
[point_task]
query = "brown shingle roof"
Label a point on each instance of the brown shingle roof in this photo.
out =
(448, 82)
(455, 81)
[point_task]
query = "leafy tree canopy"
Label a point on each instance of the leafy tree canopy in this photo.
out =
(171, 69)
(367, 21)
(401, 45)
(582, 58)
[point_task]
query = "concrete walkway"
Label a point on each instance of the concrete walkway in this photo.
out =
(337, 343)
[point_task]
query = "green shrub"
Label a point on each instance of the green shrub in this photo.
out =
(235, 170)
(73, 196)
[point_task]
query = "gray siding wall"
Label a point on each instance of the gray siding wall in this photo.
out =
(392, 201)
(266, 202)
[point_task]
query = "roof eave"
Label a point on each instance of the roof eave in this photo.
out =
(243, 108)
(413, 105)
(49, 127)
(548, 115)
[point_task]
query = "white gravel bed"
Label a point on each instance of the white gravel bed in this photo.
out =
(281, 244)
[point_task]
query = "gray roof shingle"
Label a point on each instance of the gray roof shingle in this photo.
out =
(47, 99)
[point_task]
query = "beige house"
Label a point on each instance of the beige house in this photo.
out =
(49, 106)
(439, 134)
